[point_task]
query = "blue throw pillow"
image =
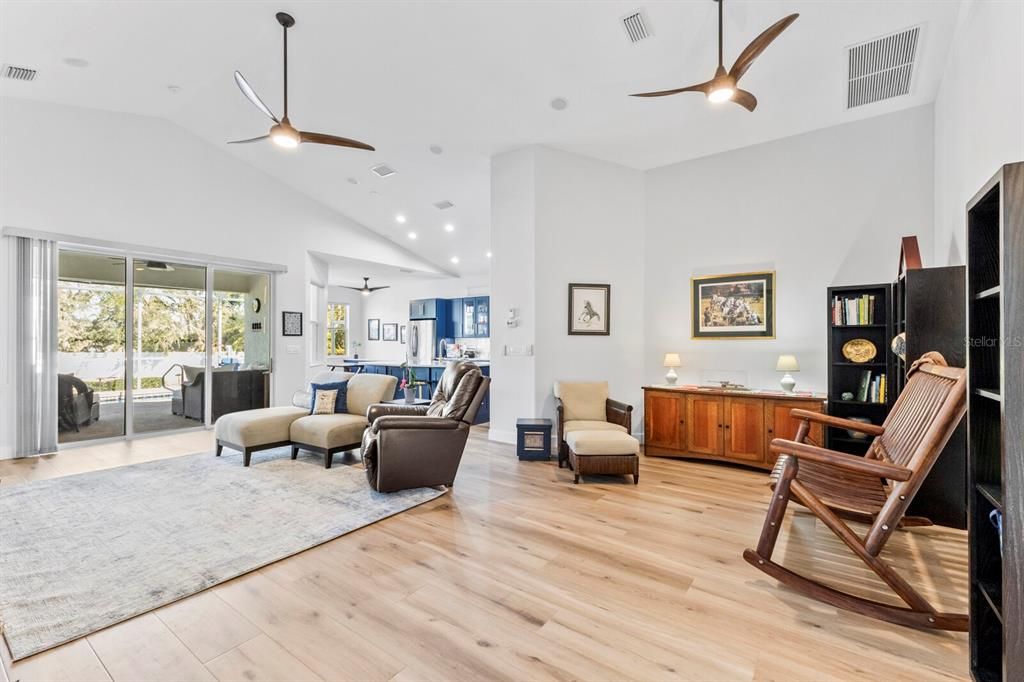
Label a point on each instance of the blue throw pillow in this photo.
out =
(340, 403)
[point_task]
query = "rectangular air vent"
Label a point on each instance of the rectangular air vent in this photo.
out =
(882, 68)
(18, 73)
(383, 170)
(443, 205)
(636, 26)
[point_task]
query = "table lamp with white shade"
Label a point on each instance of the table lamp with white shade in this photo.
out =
(672, 361)
(787, 364)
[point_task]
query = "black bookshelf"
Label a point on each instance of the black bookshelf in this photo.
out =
(995, 425)
(844, 375)
(929, 307)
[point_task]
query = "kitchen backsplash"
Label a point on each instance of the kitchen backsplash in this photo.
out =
(481, 347)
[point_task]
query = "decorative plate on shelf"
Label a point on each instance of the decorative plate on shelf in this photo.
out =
(859, 350)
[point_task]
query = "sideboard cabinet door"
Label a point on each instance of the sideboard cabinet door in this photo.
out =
(704, 424)
(780, 424)
(663, 416)
(744, 429)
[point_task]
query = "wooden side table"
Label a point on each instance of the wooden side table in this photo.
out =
(533, 439)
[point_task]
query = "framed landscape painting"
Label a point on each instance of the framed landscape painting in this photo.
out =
(589, 309)
(740, 306)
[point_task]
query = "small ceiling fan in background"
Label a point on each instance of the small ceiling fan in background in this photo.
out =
(282, 133)
(723, 86)
(366, 289)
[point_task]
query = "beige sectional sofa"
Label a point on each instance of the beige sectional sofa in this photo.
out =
(325, 434)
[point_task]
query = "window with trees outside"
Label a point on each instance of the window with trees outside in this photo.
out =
(337, 329)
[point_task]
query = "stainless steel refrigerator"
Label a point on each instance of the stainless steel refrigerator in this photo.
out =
(422, 339)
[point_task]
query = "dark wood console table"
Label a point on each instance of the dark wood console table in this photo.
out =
(720, 424)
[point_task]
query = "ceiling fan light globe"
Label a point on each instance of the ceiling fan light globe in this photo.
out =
(365, 292)
(284, 136)
(723, 94)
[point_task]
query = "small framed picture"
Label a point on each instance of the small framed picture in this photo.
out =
(391, 331)
(589, 309)
(373, 330)
(740, 306)
(401, 334)
(291, 323)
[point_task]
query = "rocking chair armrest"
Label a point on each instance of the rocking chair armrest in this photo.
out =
(781, 446)
(839, 422)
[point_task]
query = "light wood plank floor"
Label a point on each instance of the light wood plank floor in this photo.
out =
(518, 574)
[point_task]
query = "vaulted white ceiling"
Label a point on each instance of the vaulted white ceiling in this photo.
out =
(475, 78)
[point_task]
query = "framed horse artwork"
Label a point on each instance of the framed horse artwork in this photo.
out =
(740, 306)
(590, 309)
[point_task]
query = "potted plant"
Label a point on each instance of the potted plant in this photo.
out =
(410, 384)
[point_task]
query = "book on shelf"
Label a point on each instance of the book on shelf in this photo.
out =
(871, 388)
(853, 311)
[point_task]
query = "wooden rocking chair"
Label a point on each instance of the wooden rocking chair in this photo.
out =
(876, 488)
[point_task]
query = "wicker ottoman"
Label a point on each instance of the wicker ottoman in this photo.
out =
(603, 452)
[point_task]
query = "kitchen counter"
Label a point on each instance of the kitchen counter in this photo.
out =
(383, 363)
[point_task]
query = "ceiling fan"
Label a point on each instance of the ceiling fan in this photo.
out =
(722, 87)
(282, 133)
(366, 289)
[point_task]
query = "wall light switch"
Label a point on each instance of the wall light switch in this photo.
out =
(293, 349)
(526, 350)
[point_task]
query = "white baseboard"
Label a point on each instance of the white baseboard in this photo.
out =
(499, 436)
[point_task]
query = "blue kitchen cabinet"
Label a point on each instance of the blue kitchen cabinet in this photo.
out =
(423, 309)
(456, 330)
(469, 318)
(483, 317)
(483, 415)
(398, 373)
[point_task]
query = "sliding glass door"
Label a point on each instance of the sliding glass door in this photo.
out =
(148, 345)
(168, 345)
(91, 353)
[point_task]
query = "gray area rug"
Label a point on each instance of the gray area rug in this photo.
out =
(81, 553)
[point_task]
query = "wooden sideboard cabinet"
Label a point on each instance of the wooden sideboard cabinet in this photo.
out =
(731, 426)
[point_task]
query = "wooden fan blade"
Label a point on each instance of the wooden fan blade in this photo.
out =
(251, 95)
(320, 138)
(745, 99)
(758, 45)
(251, 139)
(699, 87)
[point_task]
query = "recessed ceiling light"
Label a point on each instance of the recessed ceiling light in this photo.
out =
(449, 227)
(400, 218)
(76, 62)
(488, 254)
(455, 259)
(559, 104)
(352, 181)
(412, 235)
(174, 89)
(436, 149)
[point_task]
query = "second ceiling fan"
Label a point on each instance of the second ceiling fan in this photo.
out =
(282, 133)
(723, 87)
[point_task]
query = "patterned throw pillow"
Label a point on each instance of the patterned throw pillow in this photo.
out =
(341, 399)
(324, 402)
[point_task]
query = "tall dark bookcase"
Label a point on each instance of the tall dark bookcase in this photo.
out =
(995, 425)
(844, 375)
(929, 307)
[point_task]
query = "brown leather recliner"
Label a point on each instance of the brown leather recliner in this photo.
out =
(411, 446)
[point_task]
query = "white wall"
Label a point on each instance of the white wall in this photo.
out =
(146, 181)
(559, 218)
(979, 114)
(820, 209)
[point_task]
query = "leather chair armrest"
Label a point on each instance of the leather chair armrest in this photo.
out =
(378, 410)
(410, 422)
(619, 413)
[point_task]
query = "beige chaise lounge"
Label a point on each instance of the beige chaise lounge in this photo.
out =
(594, 431)
(326, 434)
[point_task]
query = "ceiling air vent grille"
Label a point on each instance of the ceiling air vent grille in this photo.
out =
(443, 205)
(882, 68)
(383, 170)
(18, 73)
(635, 24)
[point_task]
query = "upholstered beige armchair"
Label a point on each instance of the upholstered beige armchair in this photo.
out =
(411, 446)
(585, 406)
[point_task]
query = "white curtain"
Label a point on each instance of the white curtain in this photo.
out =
(35, 346)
